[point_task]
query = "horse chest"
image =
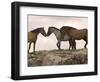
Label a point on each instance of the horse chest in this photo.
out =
(58, 35)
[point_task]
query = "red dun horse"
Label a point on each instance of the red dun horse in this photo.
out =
(32, 37)
(76, 34)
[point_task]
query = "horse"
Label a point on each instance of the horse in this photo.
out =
(76, 34)
(72, 41)
(59, 37)
(32, 37)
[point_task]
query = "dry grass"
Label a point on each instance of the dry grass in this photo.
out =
(58, 57)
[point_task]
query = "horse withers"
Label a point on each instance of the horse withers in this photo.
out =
(32, 37)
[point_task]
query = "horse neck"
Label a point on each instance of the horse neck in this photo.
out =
(57, 33)
(36, 32)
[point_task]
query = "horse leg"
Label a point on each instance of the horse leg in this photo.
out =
(29, 47)
(70, 44)
(85, 44)
(73, 43)
(34, 47)
(58, 45)
(85, 39)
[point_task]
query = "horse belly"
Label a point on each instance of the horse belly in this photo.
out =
(66, 37)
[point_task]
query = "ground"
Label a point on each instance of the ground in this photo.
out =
(58, 57)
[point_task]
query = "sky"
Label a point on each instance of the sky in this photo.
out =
(49, 43)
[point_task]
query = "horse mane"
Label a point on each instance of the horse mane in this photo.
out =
(67, 27)
(54, 28)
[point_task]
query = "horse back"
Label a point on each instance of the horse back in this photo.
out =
(74, 33)
(67, 28)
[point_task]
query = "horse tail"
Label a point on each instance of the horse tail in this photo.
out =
(85, 33)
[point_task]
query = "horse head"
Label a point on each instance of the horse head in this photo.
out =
(42, 31)
(50, 30)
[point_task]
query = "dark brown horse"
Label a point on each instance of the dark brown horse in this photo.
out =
(76, 34)
(32, 37)
(71, 41)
